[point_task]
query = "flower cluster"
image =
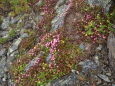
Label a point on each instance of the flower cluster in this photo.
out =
(44, 37)
(34, 50)
(31, 52)
(53, 47)
(87, 17)
(94, 26)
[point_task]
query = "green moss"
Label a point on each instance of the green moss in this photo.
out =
(30, 32)
(3, 40)
(12, 33)
(19, 6)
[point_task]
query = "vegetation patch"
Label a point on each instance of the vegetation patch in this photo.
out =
(96, 25)
(12, 33)
(59, 54)
(3, 40)
(62, 61)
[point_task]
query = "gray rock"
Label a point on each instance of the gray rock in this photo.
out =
(82, 46)
(111, 47)
(28, 26)
(2, 65)
(88, 65)
(58, 21)
(15, 45)
(33, 62)
(48, 58)
(14, 20)
(4, 75)
(2, 51)
(3, 33)
(93, 2)
(113, 84)
(12, 56)
(99, 81)
(61, 9)
(1, 46)
(68, 80)
(106, 4)
(31, 21)
(104, 77)
(60, 3)
(108, 74)
(5, 23)
(38, 18)
(24, 35)
(99, 47)
(12, 50)
(40, 3)
(17, 42)
(96, 59)
(85, 46)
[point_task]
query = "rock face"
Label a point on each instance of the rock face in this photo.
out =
(106, 4)
(34, 62)
(88, 73)
(77, 79)
(5, 78)
(61, 10)
(104, 77)
(88, 65)
(9, 49)
(111, 47)
(68, 80)
(15, 45)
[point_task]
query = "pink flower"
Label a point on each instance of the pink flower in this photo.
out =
(37, 61)
(25, 75)
(47, 44)
(51, 50)
(51, 65)
(52, 58)
(104, 37)
(88, 16)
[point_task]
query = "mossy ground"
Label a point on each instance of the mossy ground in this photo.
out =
(68, 54)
